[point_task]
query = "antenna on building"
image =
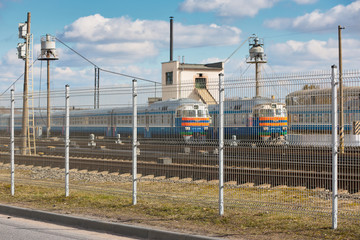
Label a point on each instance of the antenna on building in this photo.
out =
(257, 56)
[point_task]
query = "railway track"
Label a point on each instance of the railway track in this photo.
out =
(275, 165)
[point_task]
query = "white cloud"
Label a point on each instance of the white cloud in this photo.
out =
(227, 8)
(317, 20)
(313, 54)
(302, 2)
(112, 41)
(96, 28)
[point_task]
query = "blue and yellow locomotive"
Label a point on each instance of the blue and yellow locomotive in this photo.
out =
(255, 119)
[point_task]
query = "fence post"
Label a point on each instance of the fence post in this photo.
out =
(334, 84)
(12, 143)
(134, 143)
(221, 144)
(67, 140)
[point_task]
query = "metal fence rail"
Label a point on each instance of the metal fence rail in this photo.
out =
(277, 151)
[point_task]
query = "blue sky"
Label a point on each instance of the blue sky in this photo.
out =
(132, 37)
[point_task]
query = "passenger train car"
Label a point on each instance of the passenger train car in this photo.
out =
(260, 119)
(309, 110)
(180, 118)
(256, 119)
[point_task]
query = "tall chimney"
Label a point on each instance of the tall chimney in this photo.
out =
(171, 39)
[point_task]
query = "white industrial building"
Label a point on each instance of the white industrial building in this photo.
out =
(196, 81)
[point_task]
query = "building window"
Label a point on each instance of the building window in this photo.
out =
(200, 82)
(169, 78)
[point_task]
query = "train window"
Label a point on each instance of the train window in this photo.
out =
(320, 117)
(256, 113)
(266, 112)
(326, 118)
(301, 118)
(237, 118)
(189, 113)
(237, 107)
(203, 113)
(307, 118)
(314, 117)
(279, 112)
(313, 100)
(295, 118)
(178, 113)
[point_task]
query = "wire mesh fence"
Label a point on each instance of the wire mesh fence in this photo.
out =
(276, 152)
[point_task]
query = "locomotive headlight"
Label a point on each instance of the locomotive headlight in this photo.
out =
(266, 128)
(187, 128)
(284, 128)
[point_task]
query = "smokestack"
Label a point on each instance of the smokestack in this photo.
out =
(171, 39)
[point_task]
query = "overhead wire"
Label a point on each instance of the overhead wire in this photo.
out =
(17, 79)
(236, 49)
(104, 70)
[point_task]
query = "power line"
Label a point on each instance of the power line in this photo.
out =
(129, 76)
(104, 70)
(76, 52)
(32, 65)
(12, 84)
(236, 49)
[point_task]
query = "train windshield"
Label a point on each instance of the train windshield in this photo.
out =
(281, 112)
(189, 113)
(267, 113)
(203, 113)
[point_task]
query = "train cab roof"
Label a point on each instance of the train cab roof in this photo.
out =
(318, 96)
(168, 105)
(245, 104)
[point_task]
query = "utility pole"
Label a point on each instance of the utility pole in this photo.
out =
(48, 53)
(341, 97)
(97, 88)
(25, 113)
(48, 123)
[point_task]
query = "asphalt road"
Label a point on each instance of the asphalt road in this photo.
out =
(14, 228)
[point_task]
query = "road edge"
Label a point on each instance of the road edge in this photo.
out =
(96, 225)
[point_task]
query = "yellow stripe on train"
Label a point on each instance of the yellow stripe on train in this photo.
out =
(195, 119)
(272, 118)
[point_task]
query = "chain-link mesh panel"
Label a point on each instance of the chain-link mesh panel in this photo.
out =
(277, 144)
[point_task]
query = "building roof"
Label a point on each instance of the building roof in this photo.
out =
(209, 66)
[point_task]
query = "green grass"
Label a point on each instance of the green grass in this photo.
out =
(188, 216)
